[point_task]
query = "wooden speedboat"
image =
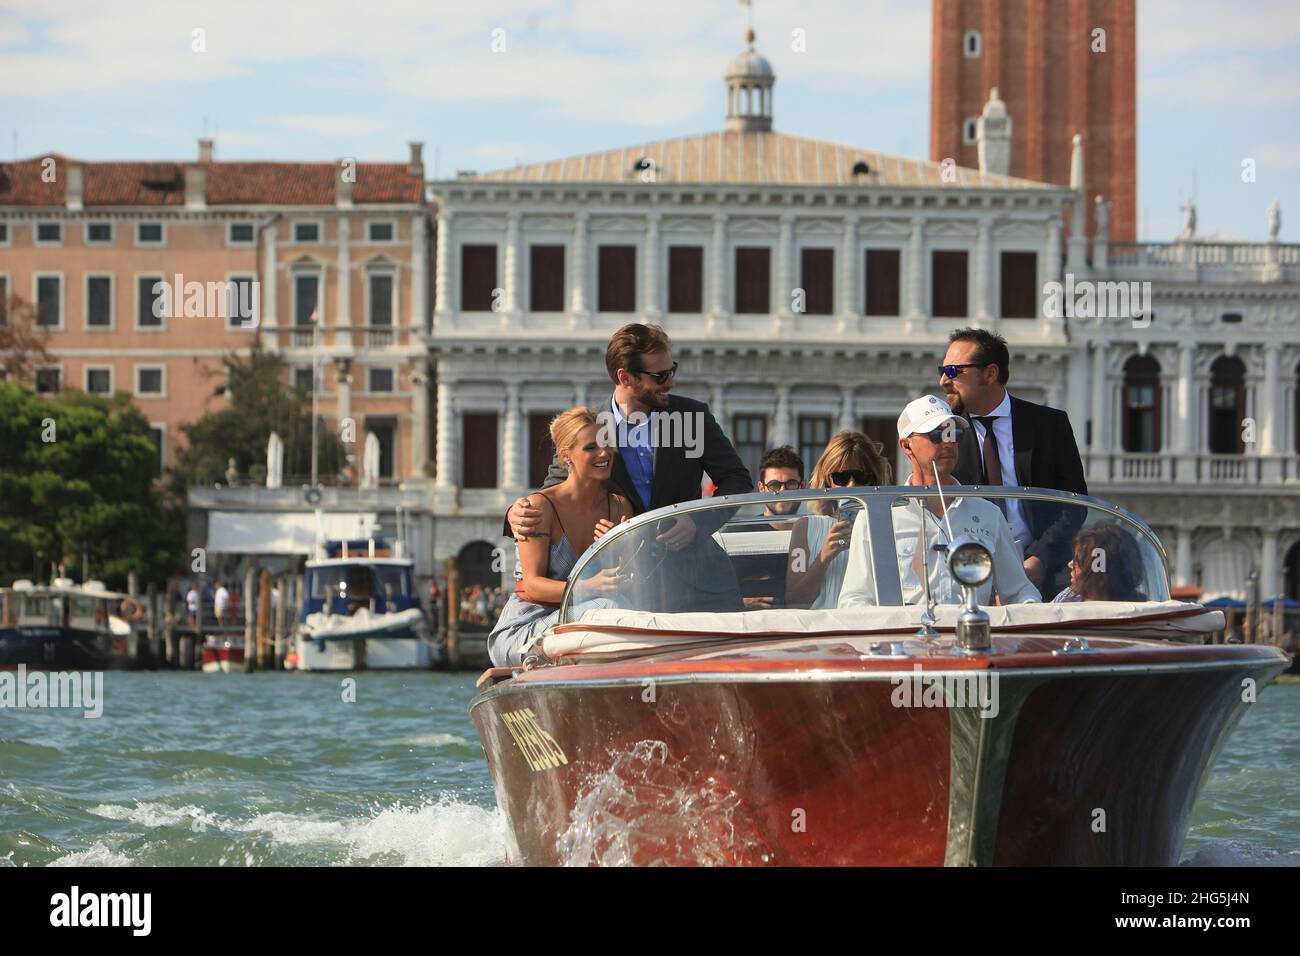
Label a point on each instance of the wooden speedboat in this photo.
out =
(894, 732)
(222, 655)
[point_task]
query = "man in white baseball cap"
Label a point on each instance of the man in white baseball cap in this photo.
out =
(929, 434)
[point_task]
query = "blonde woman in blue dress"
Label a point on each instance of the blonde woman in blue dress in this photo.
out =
(575, 512)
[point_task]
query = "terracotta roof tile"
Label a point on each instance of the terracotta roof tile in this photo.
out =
(236, 183)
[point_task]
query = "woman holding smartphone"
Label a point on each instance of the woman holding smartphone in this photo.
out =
(819, 542)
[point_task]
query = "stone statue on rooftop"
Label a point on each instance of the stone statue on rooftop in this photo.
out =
(1274, 220)
(1189, 221)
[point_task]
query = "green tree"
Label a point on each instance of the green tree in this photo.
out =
(260, 402)
(77, 478)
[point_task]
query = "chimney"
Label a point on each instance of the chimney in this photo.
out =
(76, 175)
(196, 185)
(416, 166)
(993, 136)
(205, 150)
(345, 177)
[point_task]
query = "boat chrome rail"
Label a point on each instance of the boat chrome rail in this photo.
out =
(630, 547)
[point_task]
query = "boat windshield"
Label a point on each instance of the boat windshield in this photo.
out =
(355, 585)
(819, 549)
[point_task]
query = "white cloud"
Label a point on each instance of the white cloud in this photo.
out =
(1278, 157)
(335, 125)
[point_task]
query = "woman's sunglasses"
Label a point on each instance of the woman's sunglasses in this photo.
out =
(842, 478)
(659, 377)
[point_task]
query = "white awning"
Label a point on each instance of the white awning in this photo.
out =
(283, 532)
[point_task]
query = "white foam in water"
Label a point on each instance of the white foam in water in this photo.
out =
(433, 740)
(96, 855)
(154, 815)
(446, 833)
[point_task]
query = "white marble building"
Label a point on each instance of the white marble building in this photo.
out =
(810, 287)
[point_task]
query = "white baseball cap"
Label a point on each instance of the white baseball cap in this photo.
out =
(924, 414)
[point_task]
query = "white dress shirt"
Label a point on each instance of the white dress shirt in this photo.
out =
(975, 518)
(1007, 458)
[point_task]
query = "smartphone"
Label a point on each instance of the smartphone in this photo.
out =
(849, 510)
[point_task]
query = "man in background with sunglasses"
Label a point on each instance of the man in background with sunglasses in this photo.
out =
(650, 475)
(1015, 443)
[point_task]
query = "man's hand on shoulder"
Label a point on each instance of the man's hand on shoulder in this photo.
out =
(525, 519)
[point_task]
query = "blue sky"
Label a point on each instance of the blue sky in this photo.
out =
(1218, 83)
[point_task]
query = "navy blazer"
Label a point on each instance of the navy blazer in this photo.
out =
(1046, 457)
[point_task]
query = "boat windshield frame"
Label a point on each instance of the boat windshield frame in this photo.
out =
(878, 502)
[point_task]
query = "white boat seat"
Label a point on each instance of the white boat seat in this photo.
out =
(608, 632)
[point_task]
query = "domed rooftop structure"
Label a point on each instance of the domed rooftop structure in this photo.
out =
(749, 90)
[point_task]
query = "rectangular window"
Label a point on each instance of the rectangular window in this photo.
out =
(616, 279)
(478, 277)
(99, 233)
(750, 434)
(148, 233)
(948, 281)
(306, 297)
(381, 379)
(99, 381)
(882, 282)
(99, 301)
(381, 299)
(817, 279)
(49, 233)
(149, 380)
(885, 431)
(158, 435)
(480, 444)
(240, 311)
(686, 279)
(1019, 285)
(302, 379)
(379, 232)
(753, 280)
(306, 232)
(48, 380)
(240, 234)
(4, 232)
(540, 449)
(145, 296)
(385, 430)
(49, 300)
(546, 278)
(814, 433)
(4, 300)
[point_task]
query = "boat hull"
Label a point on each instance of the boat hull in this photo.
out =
(223, 660)
(804, 756)
(378, 653)
(62, 648)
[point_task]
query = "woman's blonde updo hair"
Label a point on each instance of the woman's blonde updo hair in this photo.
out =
(567, 426)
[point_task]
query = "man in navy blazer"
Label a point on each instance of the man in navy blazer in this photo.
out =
(1014, 442)
(653, 474)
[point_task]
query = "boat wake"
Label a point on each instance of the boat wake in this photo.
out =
(643, 811)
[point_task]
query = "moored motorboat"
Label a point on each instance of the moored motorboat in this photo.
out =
(681, 727)
(222, 655)
(66, 625)
(361, 612)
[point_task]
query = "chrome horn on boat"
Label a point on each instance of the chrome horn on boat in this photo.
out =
(971, 564)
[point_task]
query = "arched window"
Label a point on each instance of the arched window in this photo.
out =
(1142, 404)
(972, 44)
(1291, 573)
(1295, 412)
(970, 130)
(1227, 405)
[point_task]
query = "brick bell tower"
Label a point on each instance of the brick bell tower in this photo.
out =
(1057, 76)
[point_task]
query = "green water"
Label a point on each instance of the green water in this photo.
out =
(234, 770)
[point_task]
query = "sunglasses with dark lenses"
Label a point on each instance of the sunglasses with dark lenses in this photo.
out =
(659, 377)
(794, 484)
(952, 371)
(944, 433)
(842, 478)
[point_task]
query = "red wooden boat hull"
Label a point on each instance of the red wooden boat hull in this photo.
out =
(796, 753)
(223, 659)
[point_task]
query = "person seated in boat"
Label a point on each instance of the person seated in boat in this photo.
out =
(819, 543)
(1106, 567)
(929, 434)
(575, 512)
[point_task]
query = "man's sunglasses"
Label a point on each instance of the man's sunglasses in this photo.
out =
(659, 377)
(842, 478)
(944, 433)
(794, 484)
(952, 371)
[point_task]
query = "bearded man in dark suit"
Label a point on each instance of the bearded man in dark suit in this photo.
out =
(1014, 442)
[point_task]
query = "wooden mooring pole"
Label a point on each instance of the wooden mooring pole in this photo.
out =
(250, 621)
(453, 614)
(264, 620)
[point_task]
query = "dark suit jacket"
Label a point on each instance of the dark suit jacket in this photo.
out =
(1046, 457)
(677, 478)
